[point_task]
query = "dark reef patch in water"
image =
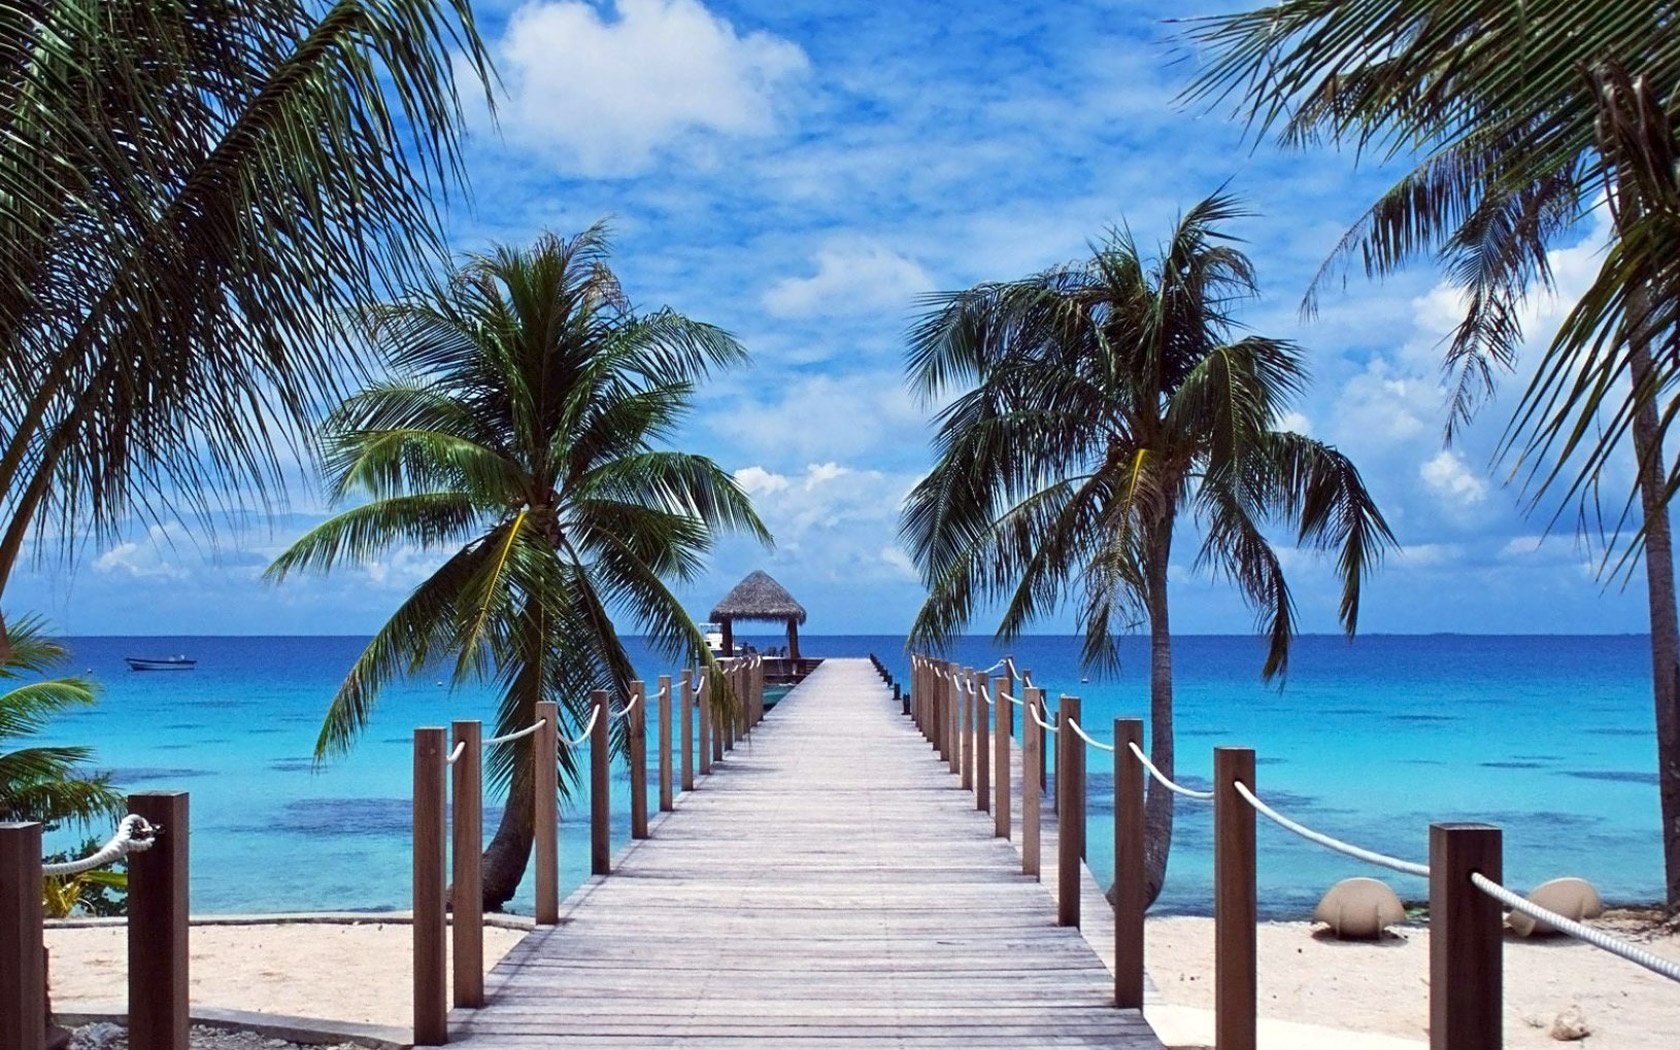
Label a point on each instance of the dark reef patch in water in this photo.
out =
(293, 765)
(1423, 719)
(1614, 776)
(1513, 765)
(147, 774)
(353, 816)
(1615, 731)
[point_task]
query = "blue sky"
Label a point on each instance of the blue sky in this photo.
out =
(799, 172)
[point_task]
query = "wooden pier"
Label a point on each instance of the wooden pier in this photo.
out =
(830, 884)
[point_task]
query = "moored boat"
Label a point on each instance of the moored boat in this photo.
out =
(160, 663)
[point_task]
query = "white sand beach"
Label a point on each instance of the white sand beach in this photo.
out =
(360, 973)
(1382, 988)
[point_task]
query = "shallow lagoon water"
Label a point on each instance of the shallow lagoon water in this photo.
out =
(1549, 737)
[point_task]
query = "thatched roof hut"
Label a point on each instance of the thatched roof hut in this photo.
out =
(761, 599)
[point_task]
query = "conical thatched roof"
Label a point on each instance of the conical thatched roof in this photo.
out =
(758, 597)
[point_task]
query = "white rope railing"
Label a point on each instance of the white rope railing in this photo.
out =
(588, 727)
(1382, 860)
(1099, 745)
(455, 755)
(1580, 931)
(508, 738)
(624, 712)
(1167, 782)
(1032, 709)
(133, 835)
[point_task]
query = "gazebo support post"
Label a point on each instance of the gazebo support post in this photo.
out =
(793, 641)
(728, 636)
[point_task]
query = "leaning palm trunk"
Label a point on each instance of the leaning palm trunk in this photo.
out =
(1158, 805)
(1665, 617)
(509, 852)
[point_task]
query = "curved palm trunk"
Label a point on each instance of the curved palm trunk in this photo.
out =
(1665, 617)
(1158, 804)
(509, 852)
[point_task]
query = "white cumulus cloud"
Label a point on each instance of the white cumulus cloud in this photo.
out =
(855, 278)
(609, 92)
(1450, 478)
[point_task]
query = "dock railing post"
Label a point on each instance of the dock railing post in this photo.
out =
(953, 725)
(732, 710)
(965, 729)
(1004, 713)
(1070, 829)
(1009, 673)
(667, 786)
(1234, 904)
(23, 955)
(1130, 897)
(1032, 757)
(431, 978)
(1466, 946)
(466, 859)
(637, 739)
(600, 787)
(718, 696)
(982, 747)
(158, 949)
(545, 783)
(686, 707)
(707, 730)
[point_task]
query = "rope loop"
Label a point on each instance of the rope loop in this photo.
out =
(508, 738)
(588, 727)
(455, 755)
(1382, 860)
(133, 835)
(1166, 781)
(1099, 745)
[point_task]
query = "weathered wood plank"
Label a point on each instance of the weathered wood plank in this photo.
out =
(832, 885)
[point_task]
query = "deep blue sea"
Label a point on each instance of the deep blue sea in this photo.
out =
(1549, 737)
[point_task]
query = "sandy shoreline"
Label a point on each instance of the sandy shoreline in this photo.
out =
(360, 973)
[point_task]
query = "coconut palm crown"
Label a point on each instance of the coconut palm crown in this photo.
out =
(1101, 405)
(519, 431)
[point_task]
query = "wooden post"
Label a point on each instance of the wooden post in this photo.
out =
(936, 722)
(1009, 674)
(466, 865)
(1032, 798)
(953, 725)
(1466, 945)
(23, 956)
(667, 787)
(918, 691)
(686, 707)
(1070, 837)
(982, 748)
(719, 697)
(600, 787)
(1234, 904)
(157, 919)
(545, 782)
(637, 740)
(431, 979)
(1130, 897)
(732, 708)
(706, 731)
(1003, 713)
(968, 731)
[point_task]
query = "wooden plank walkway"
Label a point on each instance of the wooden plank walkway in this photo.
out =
(829, 885)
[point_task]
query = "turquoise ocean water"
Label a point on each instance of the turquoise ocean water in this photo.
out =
(1549, 737)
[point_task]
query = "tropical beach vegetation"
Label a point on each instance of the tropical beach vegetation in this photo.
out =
(520, 427)
(1521, 120)
(49, 784)
(1100, 407)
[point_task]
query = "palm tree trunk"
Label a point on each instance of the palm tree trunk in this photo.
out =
(1665, 618)
(509, 852)
(1158, 804)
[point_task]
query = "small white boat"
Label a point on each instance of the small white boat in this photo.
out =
(713, 633)
(160, 663)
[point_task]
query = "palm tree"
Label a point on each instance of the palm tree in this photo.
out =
(1520, 116)
(46, 784)
(519, 430)
(192, 194)
(1109, 404)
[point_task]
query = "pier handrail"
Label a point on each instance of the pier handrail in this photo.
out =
(1465, 865)
(458, 772)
